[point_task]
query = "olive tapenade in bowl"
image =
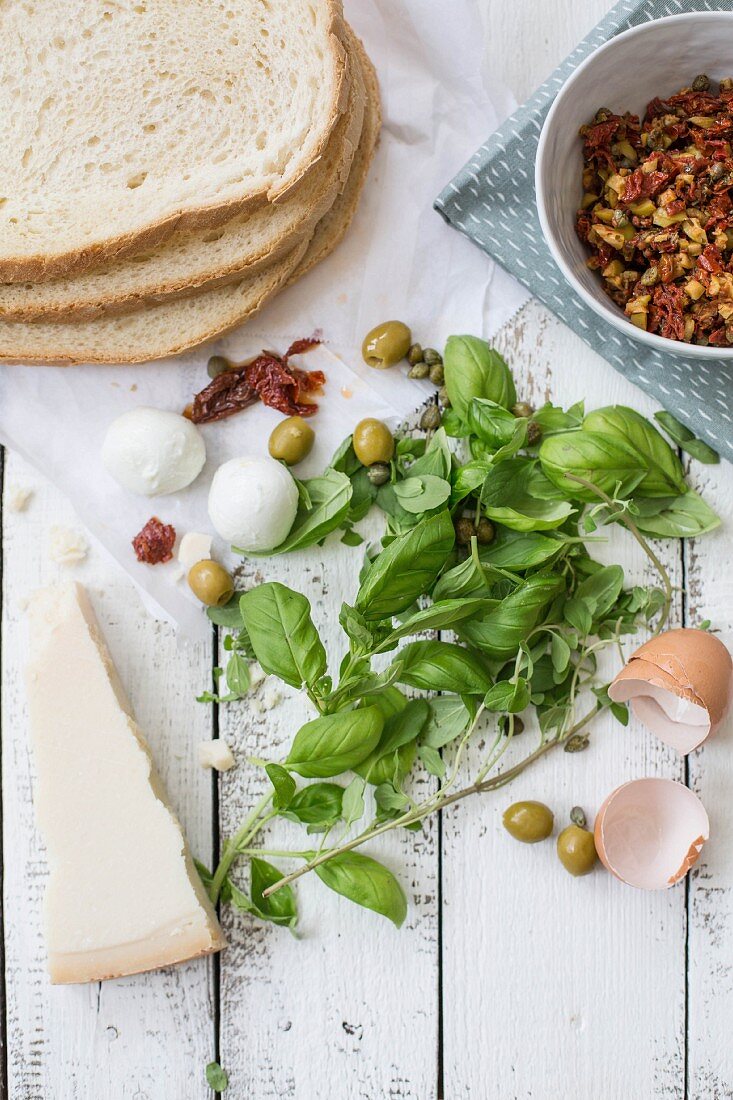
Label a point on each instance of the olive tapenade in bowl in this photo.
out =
(634, 180)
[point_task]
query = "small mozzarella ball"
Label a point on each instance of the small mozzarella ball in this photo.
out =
(152, 452)
(252, 503)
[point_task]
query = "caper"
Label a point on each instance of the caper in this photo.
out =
(717, 171)
(701, 83)
(485, 532)
(443, 397)
(437, 374)
(386, 344)
(414, 354)
(217, 365)
(420, 370)
(210, 583)
(291, 440)
(379, 473)
(465, 531)
(522, 408)
(430, 419)
(529, 822)
(373, 442)
(517, 725)
(431, 357)
(534, 433)
(576, 850)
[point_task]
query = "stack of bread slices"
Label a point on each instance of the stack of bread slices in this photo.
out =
(169, 166)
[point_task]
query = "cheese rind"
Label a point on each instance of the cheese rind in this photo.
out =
(123, 894)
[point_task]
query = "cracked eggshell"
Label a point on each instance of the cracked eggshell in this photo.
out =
(680, 685)
(650, 832)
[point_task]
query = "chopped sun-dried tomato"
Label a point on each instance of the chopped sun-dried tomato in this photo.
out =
(154, 544)
(268, 378)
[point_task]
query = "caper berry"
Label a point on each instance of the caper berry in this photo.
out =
(534, 433)
(386, 344)
(431, 357)
(210, 583)
(437, 374)
(414, 354)
(443, 397)
(373, 442)
(529, 822)
(465, 531)
(420, 370)
(217, 365)
(485, 532)
(291, 440)
(379, 473)
(430, 419)
(522, 408)
(576, 850)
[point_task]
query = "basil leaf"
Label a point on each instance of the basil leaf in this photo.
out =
(422, 494)
(469, 478)
(334, 743)
(506, 498)
(559, 653)
(578, 613)
(606, 461)
(237, 675)
(390, 800)
(280, 907)
(284, 639)
(601, 590)
(685, 439)
(501, 630)
(344, 460)
(318, 804)
(283, 783)
(395, 753)
(363, 495)
(354, 625)
(449, 718)
(216, 1078)
(437, 459)
(439, 616)
(473, 369)
(330, 496)
(406, 568)
(551, 418)
(432, 760)
(228, 615)
(353, 801)
(665, 476)
(452, 424)
(443, 666)
(519, 550)
(686, 516)
(508, 696)
(470, 578)
(367, 883)
(491, 422)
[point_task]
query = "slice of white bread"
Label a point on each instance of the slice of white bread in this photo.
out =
(203, 257)
(168, 329)
(123, 121)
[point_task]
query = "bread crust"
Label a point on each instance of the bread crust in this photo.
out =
(90, 303)
(41, 267)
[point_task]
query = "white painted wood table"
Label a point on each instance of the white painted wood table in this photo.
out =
(509, 979)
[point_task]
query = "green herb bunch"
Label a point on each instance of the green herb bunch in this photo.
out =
(528, 611)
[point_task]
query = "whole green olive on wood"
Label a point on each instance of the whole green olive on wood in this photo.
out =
(528, 821)
(576, 850)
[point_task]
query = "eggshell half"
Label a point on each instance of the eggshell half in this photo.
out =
(680, 685)
(650, 832)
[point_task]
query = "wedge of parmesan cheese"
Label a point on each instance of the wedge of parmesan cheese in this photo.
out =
(123, 894)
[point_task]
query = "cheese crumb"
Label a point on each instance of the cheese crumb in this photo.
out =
(216, 754)
(195, 547)
(67, 547)
(17, 498)
(257, 675)
(271, 697)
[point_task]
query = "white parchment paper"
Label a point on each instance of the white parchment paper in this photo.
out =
(399, 260)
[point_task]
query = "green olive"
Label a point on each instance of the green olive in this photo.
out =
(373, 442)
(386, 344)
(528, 821)
(291, 441)
(576, 850)
(210, 583)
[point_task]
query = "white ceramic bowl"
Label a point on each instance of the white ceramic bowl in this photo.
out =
(655, 59)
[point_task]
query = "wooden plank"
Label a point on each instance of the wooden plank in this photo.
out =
(147, 1035)
(350, 1008)
(709, 595)
(555, 986)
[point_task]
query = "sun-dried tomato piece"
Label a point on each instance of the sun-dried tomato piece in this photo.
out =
(268, 378)
(154, 544)
(710, 259)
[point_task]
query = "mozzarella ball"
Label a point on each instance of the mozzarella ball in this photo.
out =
(252, 503)
(152, 452)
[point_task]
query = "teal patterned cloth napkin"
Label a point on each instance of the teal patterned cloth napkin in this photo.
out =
(492, 201)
